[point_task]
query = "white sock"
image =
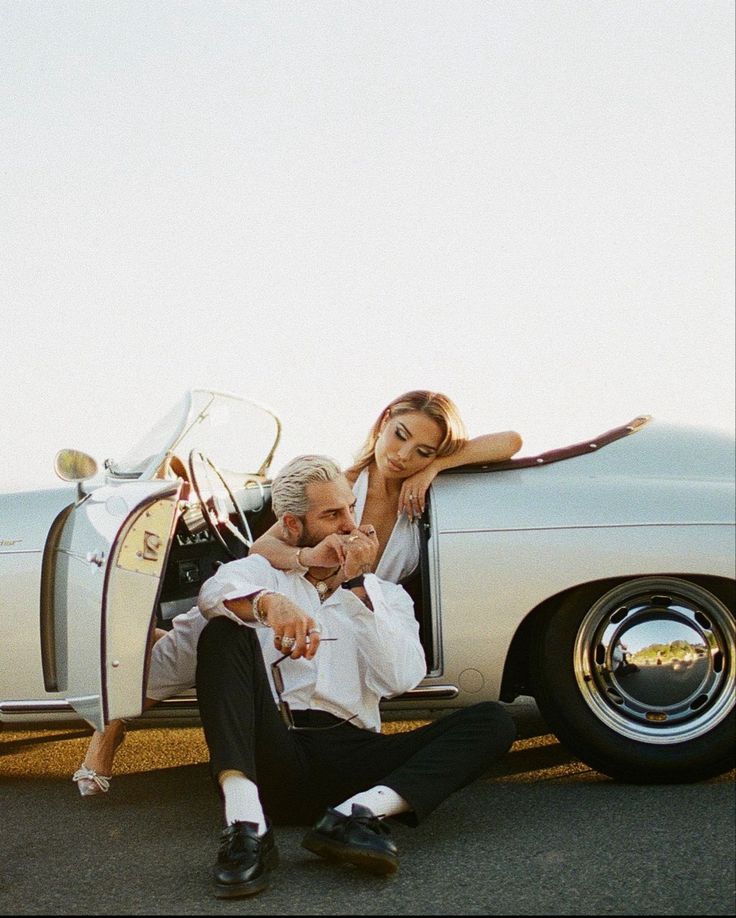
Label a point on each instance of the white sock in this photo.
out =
(380, 800)
(242, 803)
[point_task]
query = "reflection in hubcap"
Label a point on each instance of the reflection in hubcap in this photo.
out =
(654, 660)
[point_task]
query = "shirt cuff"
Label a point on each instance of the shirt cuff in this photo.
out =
(372, 586)
(246, 591)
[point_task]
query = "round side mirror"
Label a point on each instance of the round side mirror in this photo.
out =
(74, 465)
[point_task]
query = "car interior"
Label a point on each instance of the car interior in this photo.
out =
(197, 551)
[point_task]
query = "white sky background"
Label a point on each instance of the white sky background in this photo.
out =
(528, 205)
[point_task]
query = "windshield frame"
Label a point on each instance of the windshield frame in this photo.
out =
(145, 459)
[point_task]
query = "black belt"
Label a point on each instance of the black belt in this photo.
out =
(313, 718)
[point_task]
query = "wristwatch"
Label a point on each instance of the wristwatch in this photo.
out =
(354, 582)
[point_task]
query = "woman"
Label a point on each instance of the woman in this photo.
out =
(414, 438)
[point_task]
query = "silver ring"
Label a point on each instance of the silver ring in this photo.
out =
(287, 642)
(353, 538)
(314, 631)
(411, 497)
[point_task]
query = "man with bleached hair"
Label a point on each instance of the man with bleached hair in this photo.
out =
(291, 668)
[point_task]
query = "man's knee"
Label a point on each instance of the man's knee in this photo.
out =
(223, 639)
(494, 725)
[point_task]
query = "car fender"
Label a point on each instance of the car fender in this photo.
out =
(489, 583)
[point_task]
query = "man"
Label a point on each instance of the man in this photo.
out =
(336, 642)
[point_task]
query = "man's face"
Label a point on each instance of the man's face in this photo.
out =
(331, 510)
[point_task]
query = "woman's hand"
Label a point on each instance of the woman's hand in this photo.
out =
(412, 499)
(327, 553)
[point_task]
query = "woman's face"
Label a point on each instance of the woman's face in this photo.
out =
(407, 444)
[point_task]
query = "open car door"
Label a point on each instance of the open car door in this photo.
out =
(106, 565)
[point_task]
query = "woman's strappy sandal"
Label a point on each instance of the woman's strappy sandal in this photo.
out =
(88, 781)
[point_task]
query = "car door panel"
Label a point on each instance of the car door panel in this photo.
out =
(134, 582)
(107, 573)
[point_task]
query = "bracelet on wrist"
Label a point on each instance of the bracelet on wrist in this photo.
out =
(259, 614)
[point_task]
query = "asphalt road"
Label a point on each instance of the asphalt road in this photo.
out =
(541, 834)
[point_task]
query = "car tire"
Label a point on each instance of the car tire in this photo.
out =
(647, 722)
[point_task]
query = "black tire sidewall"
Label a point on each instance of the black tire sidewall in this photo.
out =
(563, 707)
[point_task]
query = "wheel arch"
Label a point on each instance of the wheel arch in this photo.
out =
(516, 678)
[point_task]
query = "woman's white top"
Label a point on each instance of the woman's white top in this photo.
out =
(401, 555)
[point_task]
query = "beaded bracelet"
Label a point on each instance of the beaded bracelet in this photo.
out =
(258, 615)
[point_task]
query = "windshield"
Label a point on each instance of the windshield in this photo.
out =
(238, 435)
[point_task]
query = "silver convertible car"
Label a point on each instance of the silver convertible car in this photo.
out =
(598, 578)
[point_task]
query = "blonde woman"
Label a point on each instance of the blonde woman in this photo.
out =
(415, 437)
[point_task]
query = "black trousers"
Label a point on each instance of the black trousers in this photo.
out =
(300, 773)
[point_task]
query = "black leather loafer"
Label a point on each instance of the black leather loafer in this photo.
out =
(244, 861)
(361, 839)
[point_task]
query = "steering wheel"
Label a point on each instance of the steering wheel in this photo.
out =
(218, 503)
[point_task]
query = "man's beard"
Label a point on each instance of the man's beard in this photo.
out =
(307, 539)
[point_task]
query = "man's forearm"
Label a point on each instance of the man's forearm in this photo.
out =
(230, 590)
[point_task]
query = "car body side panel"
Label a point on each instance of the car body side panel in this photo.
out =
(658, 501)
(25, 519)
(540, 499)
(20, 584)
(659, 475)
(490, 581)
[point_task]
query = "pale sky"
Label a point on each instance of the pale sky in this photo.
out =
(528, 205)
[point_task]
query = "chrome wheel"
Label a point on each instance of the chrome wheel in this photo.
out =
(654, 660)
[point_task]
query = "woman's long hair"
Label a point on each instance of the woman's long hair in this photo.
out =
(436, 406)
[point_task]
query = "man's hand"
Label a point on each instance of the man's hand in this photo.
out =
(292, 626)
(361, 550)
(294, 630)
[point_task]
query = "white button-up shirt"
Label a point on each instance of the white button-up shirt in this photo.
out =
(377, 653)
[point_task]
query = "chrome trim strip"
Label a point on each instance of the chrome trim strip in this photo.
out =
(35, 707)
(583, 526)
(428, 692)
(180, 701)
(184, 701)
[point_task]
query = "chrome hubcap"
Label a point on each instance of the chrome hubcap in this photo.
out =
(654, 659)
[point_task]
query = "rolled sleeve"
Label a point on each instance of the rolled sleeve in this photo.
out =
(235, 580)
(388, 639)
